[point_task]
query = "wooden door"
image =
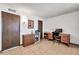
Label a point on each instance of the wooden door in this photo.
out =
(40, 28)
(10, 30)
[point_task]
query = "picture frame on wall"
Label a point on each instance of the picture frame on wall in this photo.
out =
(30, 24)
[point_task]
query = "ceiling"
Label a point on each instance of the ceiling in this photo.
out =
(45, 10)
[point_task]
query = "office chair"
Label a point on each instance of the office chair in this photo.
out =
(56, 35)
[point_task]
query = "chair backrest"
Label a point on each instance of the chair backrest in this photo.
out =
(37, 32)
(58, 30)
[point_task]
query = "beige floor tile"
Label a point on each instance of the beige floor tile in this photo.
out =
(44, 47)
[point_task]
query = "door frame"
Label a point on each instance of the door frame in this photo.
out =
(2, 29)
(42, 26)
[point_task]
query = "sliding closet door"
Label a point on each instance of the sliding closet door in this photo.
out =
(10, 30)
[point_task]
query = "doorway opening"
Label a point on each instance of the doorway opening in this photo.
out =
(40, 28)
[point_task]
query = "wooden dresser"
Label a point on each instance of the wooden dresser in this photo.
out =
(28, 39)
(65, 38)
(48, 35)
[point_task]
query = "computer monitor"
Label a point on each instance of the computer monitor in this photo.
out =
(58, 30)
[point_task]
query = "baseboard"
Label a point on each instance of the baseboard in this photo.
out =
(74, 44)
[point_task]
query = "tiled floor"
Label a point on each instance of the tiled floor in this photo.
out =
(44, 47)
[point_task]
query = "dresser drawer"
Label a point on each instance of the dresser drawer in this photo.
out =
(28, 39)
(65, 38)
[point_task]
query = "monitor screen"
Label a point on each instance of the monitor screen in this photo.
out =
(58, 30)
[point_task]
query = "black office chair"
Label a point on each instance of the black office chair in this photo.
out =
(37, 35)
(56, 35)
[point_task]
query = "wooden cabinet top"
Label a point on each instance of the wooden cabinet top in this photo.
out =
(64, 34)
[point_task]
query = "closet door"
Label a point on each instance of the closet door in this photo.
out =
(10, 30)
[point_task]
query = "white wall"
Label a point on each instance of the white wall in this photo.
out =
(68, 22)
(24, 27)
(23, 18)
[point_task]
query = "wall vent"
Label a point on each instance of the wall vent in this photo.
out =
(11, 10)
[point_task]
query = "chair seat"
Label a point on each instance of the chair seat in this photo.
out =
(57, 37)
